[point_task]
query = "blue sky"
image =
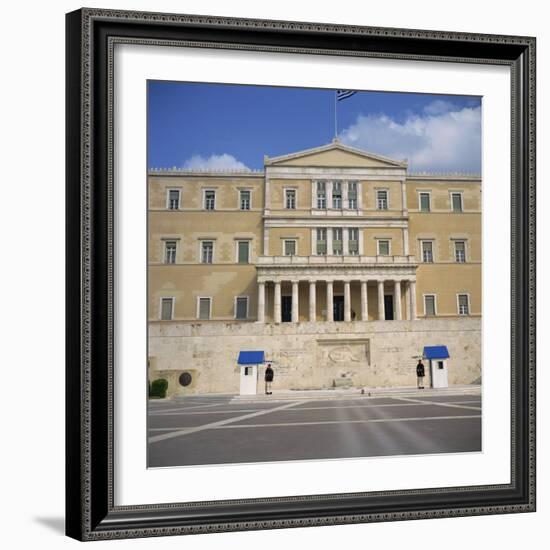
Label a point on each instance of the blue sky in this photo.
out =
(201, 126)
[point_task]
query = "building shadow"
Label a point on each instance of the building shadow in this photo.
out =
(56, 524)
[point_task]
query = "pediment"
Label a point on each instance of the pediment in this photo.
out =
(335, 155)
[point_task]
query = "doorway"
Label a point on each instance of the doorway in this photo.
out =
(388, 307)
(338, 308)
(286, 309)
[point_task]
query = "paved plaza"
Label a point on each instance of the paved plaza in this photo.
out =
(221, 430)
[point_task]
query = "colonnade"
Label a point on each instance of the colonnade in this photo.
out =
(408, 286)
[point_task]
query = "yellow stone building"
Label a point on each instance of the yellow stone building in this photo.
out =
(331, 235)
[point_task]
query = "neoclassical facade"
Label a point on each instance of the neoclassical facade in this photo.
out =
(331, 235)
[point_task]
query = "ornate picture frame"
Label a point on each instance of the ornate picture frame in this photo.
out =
(91, 336)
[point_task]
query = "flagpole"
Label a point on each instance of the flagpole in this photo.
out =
(335, 118)
(338, 96)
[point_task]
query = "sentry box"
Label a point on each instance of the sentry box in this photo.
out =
(438, 357)
(249, 361)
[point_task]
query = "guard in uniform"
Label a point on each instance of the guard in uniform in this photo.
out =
(420, 372)
(268, 379)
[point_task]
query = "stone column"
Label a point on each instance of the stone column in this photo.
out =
(345, 241)
(412, 293)
(277, 302)
(345, 195)
(294, 301)
(330, 302)
(381, 310)
(403, 198)
(267, 196)
(312, 304)
(408, 300)
(406, 241)
(397, 300)
(347, 302)
(364, 302)
(266, 241)
(261, 302)
(328, 192)
(359, 196)
(329, 241)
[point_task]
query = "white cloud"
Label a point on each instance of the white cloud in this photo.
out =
(443, 138)
(438, 107)
(214, 162)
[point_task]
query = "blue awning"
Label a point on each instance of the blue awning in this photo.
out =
(436, 352)
(250, 357)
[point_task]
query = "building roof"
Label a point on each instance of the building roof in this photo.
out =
(436, 352)
(250, 357)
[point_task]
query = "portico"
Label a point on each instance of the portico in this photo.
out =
(307, 289)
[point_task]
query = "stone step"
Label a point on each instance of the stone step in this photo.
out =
(357, 393)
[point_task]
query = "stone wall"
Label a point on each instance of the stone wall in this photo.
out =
(311, 355)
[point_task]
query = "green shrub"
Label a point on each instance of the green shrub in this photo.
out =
(158, 388)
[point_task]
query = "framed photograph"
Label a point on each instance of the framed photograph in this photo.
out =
(300, 274)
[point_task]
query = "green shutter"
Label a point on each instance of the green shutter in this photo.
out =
(243, 252)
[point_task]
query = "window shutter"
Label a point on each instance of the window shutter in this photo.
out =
(243, 252)
(204, 308)
(166, 309)
(430, 305)
(241, 308)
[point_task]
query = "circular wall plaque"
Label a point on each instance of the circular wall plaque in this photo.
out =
(185, 379)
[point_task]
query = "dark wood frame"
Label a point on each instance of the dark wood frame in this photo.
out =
(90, 510)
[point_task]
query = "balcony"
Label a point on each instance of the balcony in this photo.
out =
(333, 261)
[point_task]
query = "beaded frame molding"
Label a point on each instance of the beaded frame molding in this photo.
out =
(90, 510)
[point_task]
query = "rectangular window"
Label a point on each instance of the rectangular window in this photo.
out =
(290, 248)
(170, 252)
(290, 199)
(173, 199)
(241, 307)
(209, 200)
(429, 305)
(383, 247)
(460, 252)
(463, 304)
(456, 199)
(336, 194)
(382, 199)
(204, 308)
(424, 202)
(244, 200)
(353, 241)
(352, 195)
(427, 251)
(321, 241)
(207, 252)
(243, 248)
(321, 194)
(166, 309)
(337, 245)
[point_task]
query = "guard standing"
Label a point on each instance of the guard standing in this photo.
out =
(420, 374)
(268, 379)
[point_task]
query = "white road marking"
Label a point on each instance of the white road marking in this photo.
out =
(163, 411)
(286, 424)
(186, 431)
(452, 405)
(373, 406)
(178, 412)
(369, 421)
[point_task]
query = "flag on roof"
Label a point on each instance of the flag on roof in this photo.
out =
(344, 94)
